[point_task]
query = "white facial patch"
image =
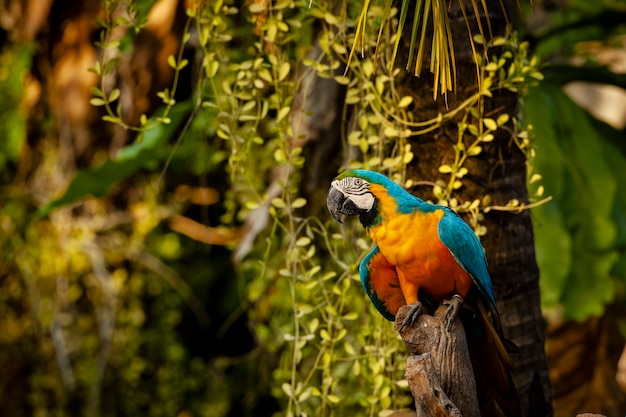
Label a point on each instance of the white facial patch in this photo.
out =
(357, 190)
(365, 201)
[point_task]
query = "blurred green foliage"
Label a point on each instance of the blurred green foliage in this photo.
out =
(105, 310)
(14, 65)
(580, 234)
(149, 152)
(99, 324)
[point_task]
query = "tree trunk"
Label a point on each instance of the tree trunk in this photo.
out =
(500, 172)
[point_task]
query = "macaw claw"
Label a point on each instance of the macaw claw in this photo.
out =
(412, 315)
(453, 309)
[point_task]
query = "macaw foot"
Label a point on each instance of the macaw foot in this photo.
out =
(454, 304)
(411, 317)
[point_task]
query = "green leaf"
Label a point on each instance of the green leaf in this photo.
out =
(445, 169)
(182, 64)
(211, 68)
(95, 101)
(298, 202)
(97, 68)
(95, 91)
(405, 101)
(282, 113)
(284, 71)
(115, 93)
(278, 202)
(145, 154)
(171, 60)
(490, 124)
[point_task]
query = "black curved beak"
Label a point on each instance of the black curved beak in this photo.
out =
(335, 202)
(338, 204)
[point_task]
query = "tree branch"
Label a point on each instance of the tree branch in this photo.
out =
(439, 370)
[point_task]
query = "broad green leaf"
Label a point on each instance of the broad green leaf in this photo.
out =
(616, 158)
(553, 242)
(576, 233)
(145, 154)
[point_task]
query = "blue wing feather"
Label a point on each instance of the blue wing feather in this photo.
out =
(460, 239)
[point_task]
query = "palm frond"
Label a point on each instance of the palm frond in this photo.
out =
(442, 63)
(386, 12)
(416, 25)
(442, 58)
(359, 35)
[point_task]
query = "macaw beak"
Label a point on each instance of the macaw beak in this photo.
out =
(338, 203)
(334, 202)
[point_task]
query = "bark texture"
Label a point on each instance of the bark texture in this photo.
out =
(439, 370)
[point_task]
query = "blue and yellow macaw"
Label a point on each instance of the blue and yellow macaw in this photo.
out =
(426, 253)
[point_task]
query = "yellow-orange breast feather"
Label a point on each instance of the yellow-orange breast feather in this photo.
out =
(411, 243)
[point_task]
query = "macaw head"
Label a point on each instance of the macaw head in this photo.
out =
(353, 193)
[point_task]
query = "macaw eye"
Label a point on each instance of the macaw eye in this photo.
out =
(357, 182)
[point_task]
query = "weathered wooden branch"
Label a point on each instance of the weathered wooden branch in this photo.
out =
(439, 370)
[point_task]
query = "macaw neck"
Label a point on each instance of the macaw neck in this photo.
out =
(389, 203)
(385, 206)
(371, 217)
